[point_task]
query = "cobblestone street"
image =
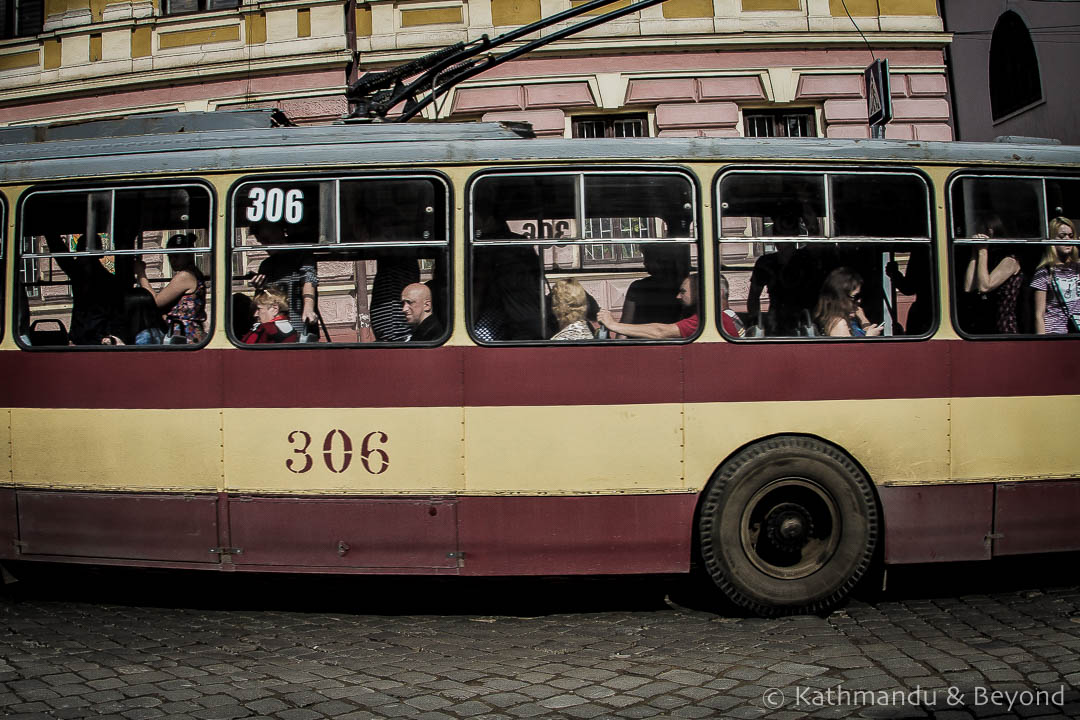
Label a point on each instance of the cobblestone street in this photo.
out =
(972, 641)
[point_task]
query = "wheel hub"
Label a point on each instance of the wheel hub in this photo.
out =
(788, 526)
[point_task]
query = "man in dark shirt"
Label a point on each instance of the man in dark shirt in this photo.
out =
(416, 305)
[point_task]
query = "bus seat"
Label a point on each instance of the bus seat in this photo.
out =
(52, 336)
(806, 325)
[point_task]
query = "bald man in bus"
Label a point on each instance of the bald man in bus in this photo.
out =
(684, 328)
(416, 306)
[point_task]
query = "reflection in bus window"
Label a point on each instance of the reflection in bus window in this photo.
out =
(1006, 231)
(118, 266)
(341, 251)
(628, 239)
(783, 235)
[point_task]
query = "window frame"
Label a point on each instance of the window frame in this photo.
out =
(12, 12)
(696, 240)
(609, 126)
(776, 114)
(146, 184)
(232, 226)
(951, 243)
(826, 171)
(203, 7)
(1004, 64)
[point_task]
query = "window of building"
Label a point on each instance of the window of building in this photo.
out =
(610, 126)
(21, 18)
(183, 7)
(550, 259)
(792, 122)
(824, 254)
(1015, 254)
(116, 266)
(333, 260)
(1014, 67)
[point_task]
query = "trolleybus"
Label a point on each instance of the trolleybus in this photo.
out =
(742, 437)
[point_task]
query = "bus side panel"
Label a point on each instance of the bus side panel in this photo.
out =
(9, 524)
(937, 523)
(341, 533)
(1033, 517)
(170, 528)
(576, 535)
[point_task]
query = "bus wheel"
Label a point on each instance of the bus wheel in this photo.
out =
(788, 525)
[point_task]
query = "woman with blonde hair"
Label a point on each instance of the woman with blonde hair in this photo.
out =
(1057, 300)
(569, 304)
(839, 311)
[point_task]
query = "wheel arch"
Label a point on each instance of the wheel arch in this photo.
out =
(764, 438)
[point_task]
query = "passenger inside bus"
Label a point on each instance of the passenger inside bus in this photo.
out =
(916, 280)
(294, 271)
(272, 324)
(183, 299)
(839, 310)
(395, 270)
(1057, 283)
(143, 321)
(97, 294)
(992, 282)
(730, 321)
(508, 286)
(419, 316)
(569, 306)
(684, 328)
(652, 299)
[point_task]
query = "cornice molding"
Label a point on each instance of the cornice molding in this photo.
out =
(740, 41)
(38, 90)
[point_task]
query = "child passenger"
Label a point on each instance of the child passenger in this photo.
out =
(272, 319)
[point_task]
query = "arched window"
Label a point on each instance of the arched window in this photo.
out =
(1014, 68)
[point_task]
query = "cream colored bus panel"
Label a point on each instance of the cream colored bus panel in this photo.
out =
(574, 449)
(343, 450)
(897, 441)
(1015, 438)
(108, 449)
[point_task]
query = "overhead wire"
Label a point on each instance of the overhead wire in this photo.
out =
(844, 3)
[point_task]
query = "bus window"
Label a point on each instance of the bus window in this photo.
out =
(115, 267)
(331, 260)
(552, 254)
(1015, 254)
(824, 254)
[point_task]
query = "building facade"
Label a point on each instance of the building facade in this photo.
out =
(684, 67)
(1013, 68)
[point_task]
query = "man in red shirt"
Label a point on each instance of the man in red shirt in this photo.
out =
(684, 328)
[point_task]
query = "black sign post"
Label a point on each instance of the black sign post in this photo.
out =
(878, 97)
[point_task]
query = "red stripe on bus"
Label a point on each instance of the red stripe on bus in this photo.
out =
(815, 371)
(534, 376)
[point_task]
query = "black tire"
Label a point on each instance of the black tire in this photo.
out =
(788, 525)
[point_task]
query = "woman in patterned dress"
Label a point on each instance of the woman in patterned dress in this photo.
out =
(183, 300)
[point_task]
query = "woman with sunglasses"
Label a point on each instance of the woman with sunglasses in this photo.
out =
(839, 310)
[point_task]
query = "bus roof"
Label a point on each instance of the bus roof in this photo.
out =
(199, 150)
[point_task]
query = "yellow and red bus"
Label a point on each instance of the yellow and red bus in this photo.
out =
(740, 434)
